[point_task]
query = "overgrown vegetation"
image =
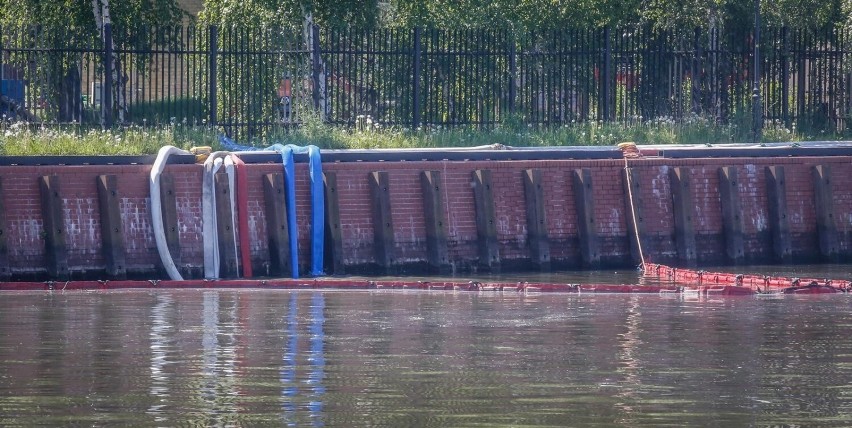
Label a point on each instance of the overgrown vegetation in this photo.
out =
(19, 139)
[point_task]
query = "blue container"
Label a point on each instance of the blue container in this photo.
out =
(13, 89)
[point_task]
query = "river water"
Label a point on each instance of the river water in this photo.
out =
(405, 358)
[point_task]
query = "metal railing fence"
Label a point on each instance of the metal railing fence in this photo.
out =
(251, 83)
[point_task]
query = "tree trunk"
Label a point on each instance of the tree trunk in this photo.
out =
(100, 9)
(317, 68)
(70, 96)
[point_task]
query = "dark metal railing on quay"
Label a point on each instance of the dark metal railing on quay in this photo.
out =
(252, 83)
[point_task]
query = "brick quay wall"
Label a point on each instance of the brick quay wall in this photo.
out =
(94, 221)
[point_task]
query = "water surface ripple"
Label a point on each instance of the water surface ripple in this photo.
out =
(422, 358)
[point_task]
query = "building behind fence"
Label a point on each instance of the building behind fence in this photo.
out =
(251, 83)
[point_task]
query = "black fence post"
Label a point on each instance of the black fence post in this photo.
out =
(106, 101)
(785, 77)
(415, 84)
(2, 74)
(213, 65)
(607, 71)
(513, 73)
(315, 67)
(757, 107)
(697, 92)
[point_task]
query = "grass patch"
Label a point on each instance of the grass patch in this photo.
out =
(19, 139)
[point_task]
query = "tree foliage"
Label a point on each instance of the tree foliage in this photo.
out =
(532, 15)
(76, 20)
(78, 23)
(522, 15)
(740, 13)
(265, 13)
(527, 15)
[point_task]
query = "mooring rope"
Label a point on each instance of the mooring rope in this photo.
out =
(632, 206)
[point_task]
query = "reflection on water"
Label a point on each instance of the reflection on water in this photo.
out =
(422, 358)
(160, 345)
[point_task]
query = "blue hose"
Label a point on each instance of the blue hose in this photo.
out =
(317, 210)
(317, 200)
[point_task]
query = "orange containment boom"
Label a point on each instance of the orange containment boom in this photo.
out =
(673, 281)
(756, 283)
(337, 284)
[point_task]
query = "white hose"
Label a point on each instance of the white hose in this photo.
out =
(208, 216)
(232, 191)
(157, 210)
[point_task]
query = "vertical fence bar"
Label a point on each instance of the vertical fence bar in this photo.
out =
(212, 70)
(785, 77)
(106, 101)
(757, 107)
(315, 69)
(415, 84)
(804, 68)
(607, 64)
(2, 74)
(697, 101)
(513, 72)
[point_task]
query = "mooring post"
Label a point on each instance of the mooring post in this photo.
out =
(168, 201)
(433, 215)
(227, 240)
(112, 230)
(776, 192)
(732, 222)
(683, 209)
(536, 219)
(824, 203)
(52, 210)
(333, 231)
(486, 221)
(383, 241)
(277, 234)
(584, 204)
(5, 268)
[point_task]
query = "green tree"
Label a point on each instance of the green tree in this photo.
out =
(537, 15)
(76, 18)
(519, 15)
(740, 13)
(291, 13)
(80, 24)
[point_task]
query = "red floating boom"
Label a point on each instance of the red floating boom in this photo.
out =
(692, 282)
(757, 283)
